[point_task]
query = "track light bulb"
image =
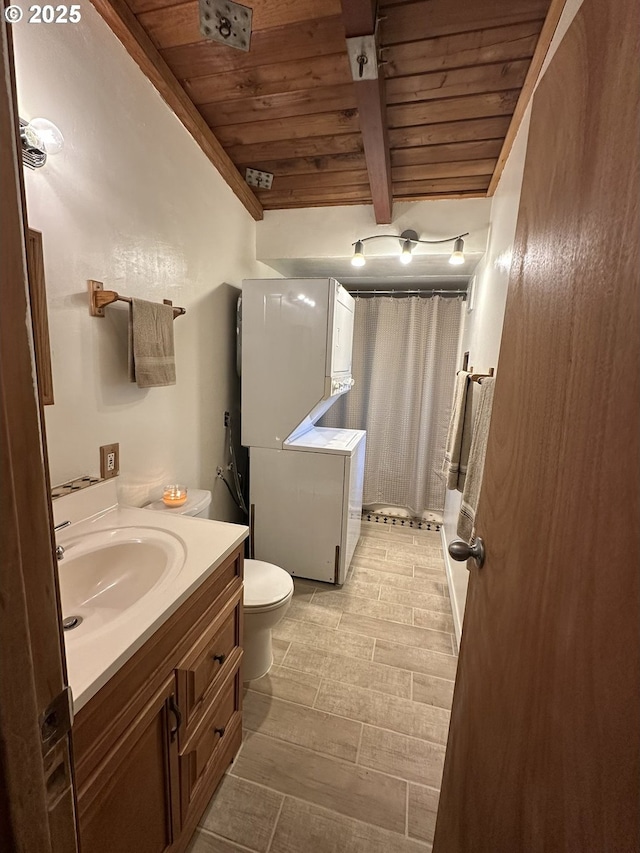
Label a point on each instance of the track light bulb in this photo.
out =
(406, 256)
(358, 255)
(457, 256)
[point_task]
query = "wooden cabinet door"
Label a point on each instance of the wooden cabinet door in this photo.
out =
(131, 802)
(544, 743)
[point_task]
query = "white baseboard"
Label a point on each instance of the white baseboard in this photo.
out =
(452, 568)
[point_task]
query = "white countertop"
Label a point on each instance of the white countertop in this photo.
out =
(93, 658)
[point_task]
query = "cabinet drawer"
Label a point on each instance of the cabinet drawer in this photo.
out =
(212, 746)
(207, 664)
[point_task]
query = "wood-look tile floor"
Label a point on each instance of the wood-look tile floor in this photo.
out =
(345, 737)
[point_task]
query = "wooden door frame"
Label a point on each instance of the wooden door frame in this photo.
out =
(37, 809)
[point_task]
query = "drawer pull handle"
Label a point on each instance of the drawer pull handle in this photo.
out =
(219, 731)
(220, 658)
(177, 713)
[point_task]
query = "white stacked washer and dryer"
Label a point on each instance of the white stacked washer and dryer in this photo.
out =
(305, 481)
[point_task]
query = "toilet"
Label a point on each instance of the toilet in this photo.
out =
(268, 591)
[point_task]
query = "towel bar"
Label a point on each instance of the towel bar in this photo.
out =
(99, 297)
(478, 377)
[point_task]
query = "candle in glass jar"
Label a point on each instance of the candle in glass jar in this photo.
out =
(174, 495)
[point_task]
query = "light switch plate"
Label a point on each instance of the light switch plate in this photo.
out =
(109, 461)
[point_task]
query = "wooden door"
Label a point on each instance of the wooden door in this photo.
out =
(132, 801)
(543, 751)
(37, 809)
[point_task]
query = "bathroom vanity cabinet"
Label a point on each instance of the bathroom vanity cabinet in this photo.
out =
(153, 743)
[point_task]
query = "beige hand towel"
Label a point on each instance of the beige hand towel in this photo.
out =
(151, 352)
(475, 469)
(456, 456)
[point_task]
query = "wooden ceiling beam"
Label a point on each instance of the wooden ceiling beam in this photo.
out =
(139, 46)
(528, 88)
(359, 17)
(370, 99)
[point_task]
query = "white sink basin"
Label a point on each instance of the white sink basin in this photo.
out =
(104, 574)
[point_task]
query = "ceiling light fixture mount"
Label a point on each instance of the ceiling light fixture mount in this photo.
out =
(408, 241)
(226, 22)
(257, 178)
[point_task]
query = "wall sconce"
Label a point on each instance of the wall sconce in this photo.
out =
(408, 240)
(40, 137)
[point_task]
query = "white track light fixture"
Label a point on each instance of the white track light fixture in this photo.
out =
(457, 256)
(408, 241)
(358, 254)
(406, 256)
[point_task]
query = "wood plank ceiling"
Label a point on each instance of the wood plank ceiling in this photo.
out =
(453, 73)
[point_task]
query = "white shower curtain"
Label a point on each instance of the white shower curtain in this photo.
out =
(404, 365)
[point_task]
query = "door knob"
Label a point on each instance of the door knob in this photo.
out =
(461, 551)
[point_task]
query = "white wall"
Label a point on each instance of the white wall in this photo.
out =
(133, 202)
(318, 232)
(483, 324)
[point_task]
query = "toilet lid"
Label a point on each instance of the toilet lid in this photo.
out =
(265, 583)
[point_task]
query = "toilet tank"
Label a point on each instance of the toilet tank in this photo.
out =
(198, 504)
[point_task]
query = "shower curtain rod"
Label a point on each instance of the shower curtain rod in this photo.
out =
(363, 292)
